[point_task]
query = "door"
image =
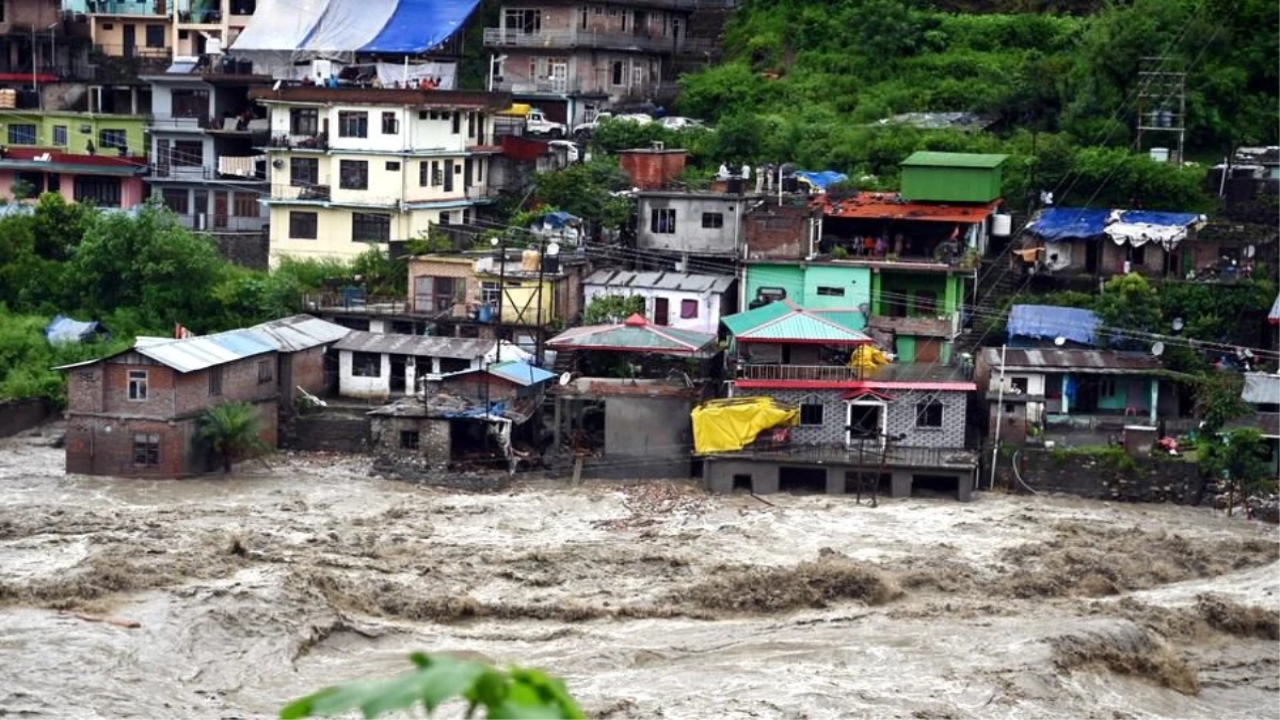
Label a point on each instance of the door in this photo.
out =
(559, 75)
(661, 311)
(866, 424)
(130, 40)
(220, 209)
(422, 294)
(1091, 251)
(397, 373)
(466, 174)
(928, 351)
(448, 176)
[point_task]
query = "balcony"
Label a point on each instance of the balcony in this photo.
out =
(177, 123)
(300, 142)
(799, 373)
(943, 327)
(575, 38)
(294, 192)
(221, 223)
(156, 8)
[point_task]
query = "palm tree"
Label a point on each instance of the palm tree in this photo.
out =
(231, 429)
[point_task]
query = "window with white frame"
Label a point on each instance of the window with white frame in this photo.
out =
(138, 385)
(490, 294)
(146, 449)
(662, 221)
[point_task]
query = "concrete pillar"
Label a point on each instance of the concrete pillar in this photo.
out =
(964, 487)
(1155, 400)
(835, 481)
(719, 476)
(900, 485)
(764, 479)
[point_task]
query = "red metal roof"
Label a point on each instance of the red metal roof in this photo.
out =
(58, 156)
(891, 206)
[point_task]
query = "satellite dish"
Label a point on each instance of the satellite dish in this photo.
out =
(277, 164)
(1250, 251)
(1059, 341)
(1157, 349)
(566, 378)
(1178, 324)
(553, 249)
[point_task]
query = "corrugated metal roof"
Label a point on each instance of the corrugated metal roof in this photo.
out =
(419, 345)
(685, 282)
(205, 351)
(634, 335)
(521, 373)
(927, 158)
(1076, 361)
(1261, 389)
(299, 332)
(784, 321)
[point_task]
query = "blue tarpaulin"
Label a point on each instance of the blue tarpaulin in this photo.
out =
(822, 180)
(558, 219)
(1152, 217)
(371, 26)
(1051, 322)
(66, 330)
(419, 25)
(1057, 223)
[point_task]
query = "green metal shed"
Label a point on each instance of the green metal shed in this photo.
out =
(951, 177)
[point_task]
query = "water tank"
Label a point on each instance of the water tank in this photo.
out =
(1160, 155)
(529, 260)
(1001, 225)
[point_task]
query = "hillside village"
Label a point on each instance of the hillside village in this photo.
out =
(772, 327)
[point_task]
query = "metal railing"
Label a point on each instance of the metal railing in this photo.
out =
(822, 373)
(357, 302)
(507, 37)
(300, 142)
(122, 7)
(294, 192)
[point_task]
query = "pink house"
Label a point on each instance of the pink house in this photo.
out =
(104, 181)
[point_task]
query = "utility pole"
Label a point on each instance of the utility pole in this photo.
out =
(1162, 100)
(995, 445)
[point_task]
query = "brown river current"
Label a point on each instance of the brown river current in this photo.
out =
(230, 596)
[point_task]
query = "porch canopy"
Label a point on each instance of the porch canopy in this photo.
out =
(638, 335)
(786, 322)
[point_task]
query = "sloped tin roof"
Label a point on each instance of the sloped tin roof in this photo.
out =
(298, 332)
(419, 345)
(926, 158)
(635, 335)
(785, 321)
(685, 282)
(198, 353)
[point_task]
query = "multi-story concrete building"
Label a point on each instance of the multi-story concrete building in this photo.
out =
(574, 58)
(97, 159)
(354, 168)
(39, 44)
(162, 29)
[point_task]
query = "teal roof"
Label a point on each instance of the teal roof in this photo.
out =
(784, 321)
(925, 158)
(635, 335)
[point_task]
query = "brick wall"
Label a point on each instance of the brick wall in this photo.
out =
(245, 249)
(19, 415)
(652, 169)
(427, 267)
(240, 382)
(777, 232)
(305, 369)
(161, 386)
(430, 459)
(473, 386)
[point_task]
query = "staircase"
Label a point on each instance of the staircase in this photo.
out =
(999, 282)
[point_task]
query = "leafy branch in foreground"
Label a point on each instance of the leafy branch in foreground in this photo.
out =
(436, 679)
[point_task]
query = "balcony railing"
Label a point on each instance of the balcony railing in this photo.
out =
(300, 142)
(127, 7)
(357, 302)
(294, 192)
(819, 373)
(507, 37)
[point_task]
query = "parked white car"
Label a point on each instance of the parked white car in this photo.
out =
(536, 123)
(675, 122)
(585, 129)
(570, 147)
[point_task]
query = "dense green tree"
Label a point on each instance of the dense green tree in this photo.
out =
(1129, 308)
(606, 309)
(586, 190)
(231, 430)
(1240, 459)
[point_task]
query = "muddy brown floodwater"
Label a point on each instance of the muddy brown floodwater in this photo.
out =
(225, 597)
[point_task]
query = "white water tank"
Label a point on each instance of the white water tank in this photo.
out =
(1001, 225)
(1160, 155)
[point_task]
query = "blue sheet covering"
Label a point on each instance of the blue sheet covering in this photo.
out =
(1050, 321)
(1058, 223)
(419, 25)
(822, 180)
(1152, 217)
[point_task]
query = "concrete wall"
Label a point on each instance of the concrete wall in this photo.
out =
(707, 318)
(428, 462)
(689, 235)
(1104, 476)
(19, 415)
(778, 232)
(763, 477)
(646, 437)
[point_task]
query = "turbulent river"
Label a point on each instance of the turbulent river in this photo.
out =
(227, 596)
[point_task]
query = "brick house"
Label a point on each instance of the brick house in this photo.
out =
(135, 414)
(899, 425)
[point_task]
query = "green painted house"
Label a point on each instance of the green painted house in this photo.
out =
(71, 132)
(952, 177)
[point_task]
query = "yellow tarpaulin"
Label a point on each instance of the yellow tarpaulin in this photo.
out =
(867, 356)
(732, 424)
(517, 110)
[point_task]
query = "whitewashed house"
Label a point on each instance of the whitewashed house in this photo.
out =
(378, 366)
(679, 300)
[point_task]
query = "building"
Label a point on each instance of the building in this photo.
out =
(623, 411)
(861, 424)
(948, 177)
(207, 164)
(574, 59)
(136, 413)
(789, 229)
(682, 224)
(1261, 393)
(1099, 242)
(380, 366)
(141, 29)
(39, 42)
(680, 300)
(305, 365)
(203, 28)
(89, 158)
(359, 168)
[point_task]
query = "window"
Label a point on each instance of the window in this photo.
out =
(366, 364)
(187, 153)
(437, 175)
(616, 75)
(688, 309)
(409, 439)
(526, 22)
(437, 294)
(712, 220)
(60, 135)
(929, 414)
(663, 221)
(304, 121)
(137, 384)
(155, 36)
(446, 218)
(98, 191)
(304, 172)
(353, 123)
(108, 138)
(30, 182)
(490, 294)
(22, 134)
(811, 411)
(146, 449)
(370, 227)
(190, 103)
(829, 291)
(424, 174)
(353, 174)
(177, 201)
(393, 166)
(245, 205)
(1107, 388)
(215, 380)
(390, 124)
(266, 372)
(303, 225)
(457, 123)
